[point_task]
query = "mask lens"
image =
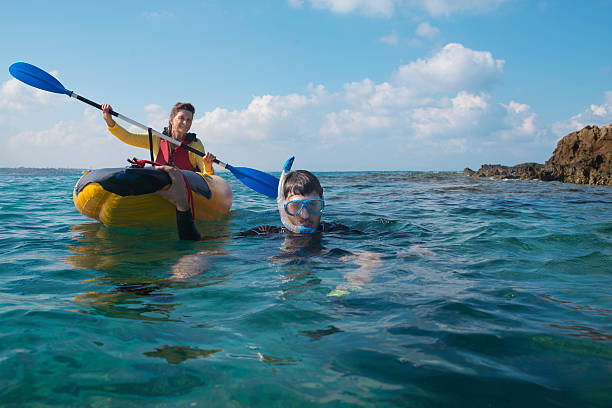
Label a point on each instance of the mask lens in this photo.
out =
(315, 206)
(293, 207)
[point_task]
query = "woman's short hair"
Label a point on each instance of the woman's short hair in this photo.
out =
(302, 182)
(179, 106)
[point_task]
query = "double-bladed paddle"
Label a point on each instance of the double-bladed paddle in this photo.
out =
(257, 180)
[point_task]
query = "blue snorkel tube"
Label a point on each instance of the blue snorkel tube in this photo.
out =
(280, 200)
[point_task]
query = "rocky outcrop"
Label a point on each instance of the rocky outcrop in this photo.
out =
(525, 171)
(582, 157)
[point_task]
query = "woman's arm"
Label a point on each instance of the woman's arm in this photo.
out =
(106, 108)
(133, 139)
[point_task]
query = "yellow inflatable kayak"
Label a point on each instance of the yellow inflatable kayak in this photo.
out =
(125, 196)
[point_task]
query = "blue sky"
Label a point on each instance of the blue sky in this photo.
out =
(340, 84)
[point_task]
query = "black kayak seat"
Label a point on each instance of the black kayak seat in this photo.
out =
(133, 181)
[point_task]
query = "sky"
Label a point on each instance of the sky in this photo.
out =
(344, 85)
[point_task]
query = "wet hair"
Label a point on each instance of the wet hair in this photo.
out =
(179, 106)
(302, 182)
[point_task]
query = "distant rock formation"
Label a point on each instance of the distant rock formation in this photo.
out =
(582, 157)
(525, 171)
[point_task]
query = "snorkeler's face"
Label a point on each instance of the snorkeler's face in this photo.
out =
(304, 217)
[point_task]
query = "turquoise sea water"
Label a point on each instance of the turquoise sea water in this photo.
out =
(461, 292)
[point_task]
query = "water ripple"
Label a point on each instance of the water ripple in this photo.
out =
(459, 291)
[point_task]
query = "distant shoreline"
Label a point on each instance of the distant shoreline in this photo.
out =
(52, 170)
(39, 170)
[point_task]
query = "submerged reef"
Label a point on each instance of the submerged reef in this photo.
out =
(582, 157)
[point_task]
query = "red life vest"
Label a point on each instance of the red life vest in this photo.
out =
(173, 155)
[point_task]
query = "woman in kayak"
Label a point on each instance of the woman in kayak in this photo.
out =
(165, 152)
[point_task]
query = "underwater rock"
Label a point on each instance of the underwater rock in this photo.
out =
(582, 157)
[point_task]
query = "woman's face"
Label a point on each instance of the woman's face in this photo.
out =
(181, 123)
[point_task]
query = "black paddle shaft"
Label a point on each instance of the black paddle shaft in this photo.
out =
(92, 103)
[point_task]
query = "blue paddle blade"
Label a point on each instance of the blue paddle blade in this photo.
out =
(36, 77)
(259, 181)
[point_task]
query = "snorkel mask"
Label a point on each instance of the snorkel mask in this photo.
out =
(280, 200)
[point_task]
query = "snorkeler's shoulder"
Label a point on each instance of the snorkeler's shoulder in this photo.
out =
(261, 230)
(273, 229)
(337, 227)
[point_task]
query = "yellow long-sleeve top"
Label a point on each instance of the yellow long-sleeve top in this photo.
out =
(142, 140)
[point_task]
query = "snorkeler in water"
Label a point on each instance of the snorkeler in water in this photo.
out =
(300, 205)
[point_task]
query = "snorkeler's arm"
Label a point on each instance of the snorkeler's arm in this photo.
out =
(261, 230)
(337, 227)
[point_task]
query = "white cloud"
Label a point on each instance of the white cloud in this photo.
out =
(79, 143)
(608, 98)
(368, 95)
(423, 30)
(63, 133)
(593, 115)
(387, 8)
(267, 117)
(438, 8)
(452, 69)
(391, 39)
(372, 8)
(450, 115)
(426, 30)
(437, 104)
(158, 15)
(17, 96)
(601, 110)
(520, 123)
(157, 117)
(434, 110)
(153, 108)
(415, 43)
